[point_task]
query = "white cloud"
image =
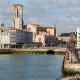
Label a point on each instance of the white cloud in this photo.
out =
(64, 13)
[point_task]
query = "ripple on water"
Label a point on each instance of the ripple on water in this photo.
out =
(30, 67)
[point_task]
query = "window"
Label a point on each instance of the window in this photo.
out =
(17, 13)
(48, 32)
(39, 39)
(4, 33)
(29, 28)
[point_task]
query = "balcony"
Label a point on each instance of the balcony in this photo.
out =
(12, 39)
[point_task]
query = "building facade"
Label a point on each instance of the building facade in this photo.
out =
(78, 37)
(21, 34)
(65, 37)
(44, 35)
(14, 38)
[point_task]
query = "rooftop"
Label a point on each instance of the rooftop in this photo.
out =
(5, 30)
(18, 29)
(11, 28)
(50, 28)
(68, 34)
(17, 5)
(36, 25)
(65, 34)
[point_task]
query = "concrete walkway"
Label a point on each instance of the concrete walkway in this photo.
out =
(67, 78)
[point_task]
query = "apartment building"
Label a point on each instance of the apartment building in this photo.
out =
(78, 37)
(14, 38)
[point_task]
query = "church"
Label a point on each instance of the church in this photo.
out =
(20, 35)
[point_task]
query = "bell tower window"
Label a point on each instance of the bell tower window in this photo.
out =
(17, 13)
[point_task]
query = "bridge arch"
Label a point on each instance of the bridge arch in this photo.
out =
(50, 52)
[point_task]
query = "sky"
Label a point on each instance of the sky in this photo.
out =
(65, 14)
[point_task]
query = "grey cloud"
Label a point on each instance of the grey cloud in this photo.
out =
(6, 12)
(63, 13)
(76, 2)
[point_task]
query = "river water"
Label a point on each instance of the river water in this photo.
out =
(30, 67)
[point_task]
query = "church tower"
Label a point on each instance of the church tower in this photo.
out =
(17, 16)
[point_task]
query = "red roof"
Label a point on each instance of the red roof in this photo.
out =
(19, 29)
(50, 28)
(36, 25)
(11, 28)
(5, 30)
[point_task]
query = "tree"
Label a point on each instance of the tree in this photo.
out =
(72, 42)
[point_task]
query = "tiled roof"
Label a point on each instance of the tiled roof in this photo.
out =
(65, 34)
(5, 30)
(36, 25)
(17, 5)
(27, 31)
(11, 28)
(68, 34)
(50, 28)
(18, 29)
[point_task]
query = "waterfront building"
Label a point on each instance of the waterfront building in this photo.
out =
(14, 38)
(65, 37)
(51, 31)
(78, 37)
(44, 35)
(21, 34)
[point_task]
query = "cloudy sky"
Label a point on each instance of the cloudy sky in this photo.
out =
(65, 14)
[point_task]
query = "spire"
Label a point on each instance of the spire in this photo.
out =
(2, 25)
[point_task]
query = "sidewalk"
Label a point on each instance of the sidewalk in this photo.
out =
(67, 78)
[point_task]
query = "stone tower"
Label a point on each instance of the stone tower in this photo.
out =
(17, 16)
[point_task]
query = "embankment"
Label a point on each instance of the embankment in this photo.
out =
(32, 52)
(70, 69)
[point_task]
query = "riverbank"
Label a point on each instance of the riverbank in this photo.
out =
(70, 69)
(44, 50)
(33, 52)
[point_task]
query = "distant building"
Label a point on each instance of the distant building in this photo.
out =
(18, 16)
(78, 37)
(44, 35)
(14, 38)
(2, 27)
(21, 34)
(51, 31)
(65, 37)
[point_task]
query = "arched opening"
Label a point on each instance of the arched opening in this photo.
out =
(48, 32)
(39, 39)
(50, 52)
(17, 12)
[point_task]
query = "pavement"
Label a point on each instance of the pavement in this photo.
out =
(67, 78)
